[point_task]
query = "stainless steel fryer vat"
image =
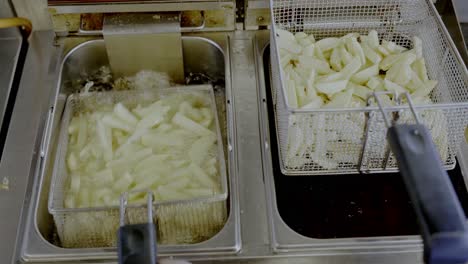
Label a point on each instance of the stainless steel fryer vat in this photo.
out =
(40, 241)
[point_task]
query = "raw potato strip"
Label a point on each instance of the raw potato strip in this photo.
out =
(327, 65)
(184, 122)
(124, 114)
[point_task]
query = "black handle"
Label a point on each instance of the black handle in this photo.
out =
(440, 215)
(137, 244)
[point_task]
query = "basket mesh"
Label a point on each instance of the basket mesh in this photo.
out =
(176, 224)
(349, 141)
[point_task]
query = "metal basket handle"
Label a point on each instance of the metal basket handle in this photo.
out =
(137, 242)
(441, 218)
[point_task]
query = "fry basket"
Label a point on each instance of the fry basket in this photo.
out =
(178, 221)
(352, 140)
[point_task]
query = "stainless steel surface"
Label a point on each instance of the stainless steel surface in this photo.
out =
(7, 11)
(464, 28)
(258, 243)
(265, 236)
(464, 35)
(461, 7)
(195, 28)
(12, 186)
(39, 227)
(35, 10)
(254, 220)
(220, 15)
(9, 56)
(21, 157)
(257, 14)
(129, 38)
(138, 7)
(94, 2)
(257, 240)
(10, 65)
(184, 29)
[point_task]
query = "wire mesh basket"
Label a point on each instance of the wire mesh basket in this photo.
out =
(349, 140)
(182, 221)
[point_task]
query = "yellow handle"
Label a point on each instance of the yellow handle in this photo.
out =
(24, 23)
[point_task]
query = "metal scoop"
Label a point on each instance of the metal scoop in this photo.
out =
(137, 242)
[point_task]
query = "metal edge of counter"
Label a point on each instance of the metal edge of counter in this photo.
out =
(19, 157)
